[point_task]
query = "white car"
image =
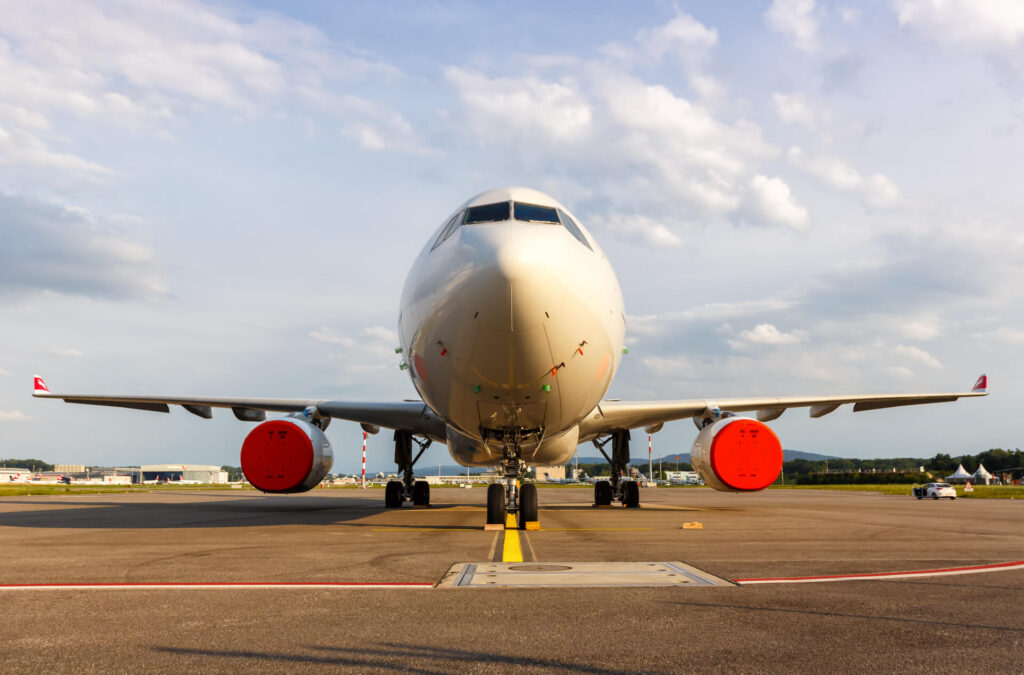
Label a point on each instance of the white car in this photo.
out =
(935, 490)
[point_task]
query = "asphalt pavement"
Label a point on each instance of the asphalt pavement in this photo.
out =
(951, 623)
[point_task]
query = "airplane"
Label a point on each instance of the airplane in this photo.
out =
(512, 326)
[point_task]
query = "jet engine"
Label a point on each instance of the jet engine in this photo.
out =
(286, 455)
(737, 454)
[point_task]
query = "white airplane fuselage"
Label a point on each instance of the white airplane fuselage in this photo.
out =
(512, 327)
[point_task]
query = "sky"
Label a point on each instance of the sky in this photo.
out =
(223, 199)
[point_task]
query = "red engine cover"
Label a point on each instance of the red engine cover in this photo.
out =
(277, 456)
(746, 454)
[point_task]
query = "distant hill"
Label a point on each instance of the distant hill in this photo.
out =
(637, 460)
(787, 455)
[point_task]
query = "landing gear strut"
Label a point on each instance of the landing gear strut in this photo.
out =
(408, 488)
(514, 496)
(627, 492)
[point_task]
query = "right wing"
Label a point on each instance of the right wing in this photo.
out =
(412, 416)
(621, 415)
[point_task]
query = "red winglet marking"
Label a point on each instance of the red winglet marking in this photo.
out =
(39, 385)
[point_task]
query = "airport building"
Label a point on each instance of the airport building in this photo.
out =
(14, 475)
(186, 473)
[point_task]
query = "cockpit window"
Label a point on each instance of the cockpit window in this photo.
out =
(574, 228)
(536, 214)
(488, 213)
(449, 228)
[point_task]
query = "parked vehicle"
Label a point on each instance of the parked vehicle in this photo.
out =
(934, 490)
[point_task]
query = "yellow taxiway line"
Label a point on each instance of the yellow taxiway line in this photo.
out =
(512, 551)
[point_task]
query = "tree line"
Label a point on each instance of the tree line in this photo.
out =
(941, 465)
(907, 469)
(33, 465)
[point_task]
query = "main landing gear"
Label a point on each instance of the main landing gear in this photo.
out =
(514, 496)
(625, 491)
(407, 489)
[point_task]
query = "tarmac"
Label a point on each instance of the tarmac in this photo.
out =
(227, 580)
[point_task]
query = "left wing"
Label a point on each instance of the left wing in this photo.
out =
(412, 416)
(620, 415)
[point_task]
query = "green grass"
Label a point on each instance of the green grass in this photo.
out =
(23, 489)
(980, 491)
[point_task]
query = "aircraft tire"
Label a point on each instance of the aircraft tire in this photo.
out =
(527, 504)
(495, 504)
(602, 493)
(393, 494)
(421, 493)
(631, 494)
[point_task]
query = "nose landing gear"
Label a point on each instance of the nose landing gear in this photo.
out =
(515, 496)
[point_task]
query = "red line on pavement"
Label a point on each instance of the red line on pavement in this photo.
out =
(212, 584)
(995, 567)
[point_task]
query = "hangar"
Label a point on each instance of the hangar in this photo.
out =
(184, 473)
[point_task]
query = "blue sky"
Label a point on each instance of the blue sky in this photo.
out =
(224, 198)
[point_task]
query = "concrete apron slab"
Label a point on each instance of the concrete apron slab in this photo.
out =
(577, 575)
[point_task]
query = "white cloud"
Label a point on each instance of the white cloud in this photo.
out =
(67, 352)
(772, 200)
(69, 251)
(638, 228)
(797, 20)
(829, 170)
(674, 366)
(985, 24)
(381, 333)
(921, 328)
(877, 191)
(13, 416)
(794, 109)
(328, 336)
(140, 65)
(766, 334)
(900, 371)
(1006, 334)
(880, 192)
(683, 36)
(4, 373)
(557, 110)
(850, 15)
(22, 148)
(715, 312)
(917, 355)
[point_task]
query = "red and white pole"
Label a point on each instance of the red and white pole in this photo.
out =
(650, 460)
(364, 460)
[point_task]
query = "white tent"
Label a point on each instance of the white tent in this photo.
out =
(959, 475)
(982, 475)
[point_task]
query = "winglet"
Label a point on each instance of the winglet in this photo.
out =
(981, 384)
(39, 387)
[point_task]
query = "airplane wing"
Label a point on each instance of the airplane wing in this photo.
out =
(412, 416)
(619, 415)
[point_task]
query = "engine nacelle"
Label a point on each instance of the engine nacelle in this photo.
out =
(737, 454)
(288, 455)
